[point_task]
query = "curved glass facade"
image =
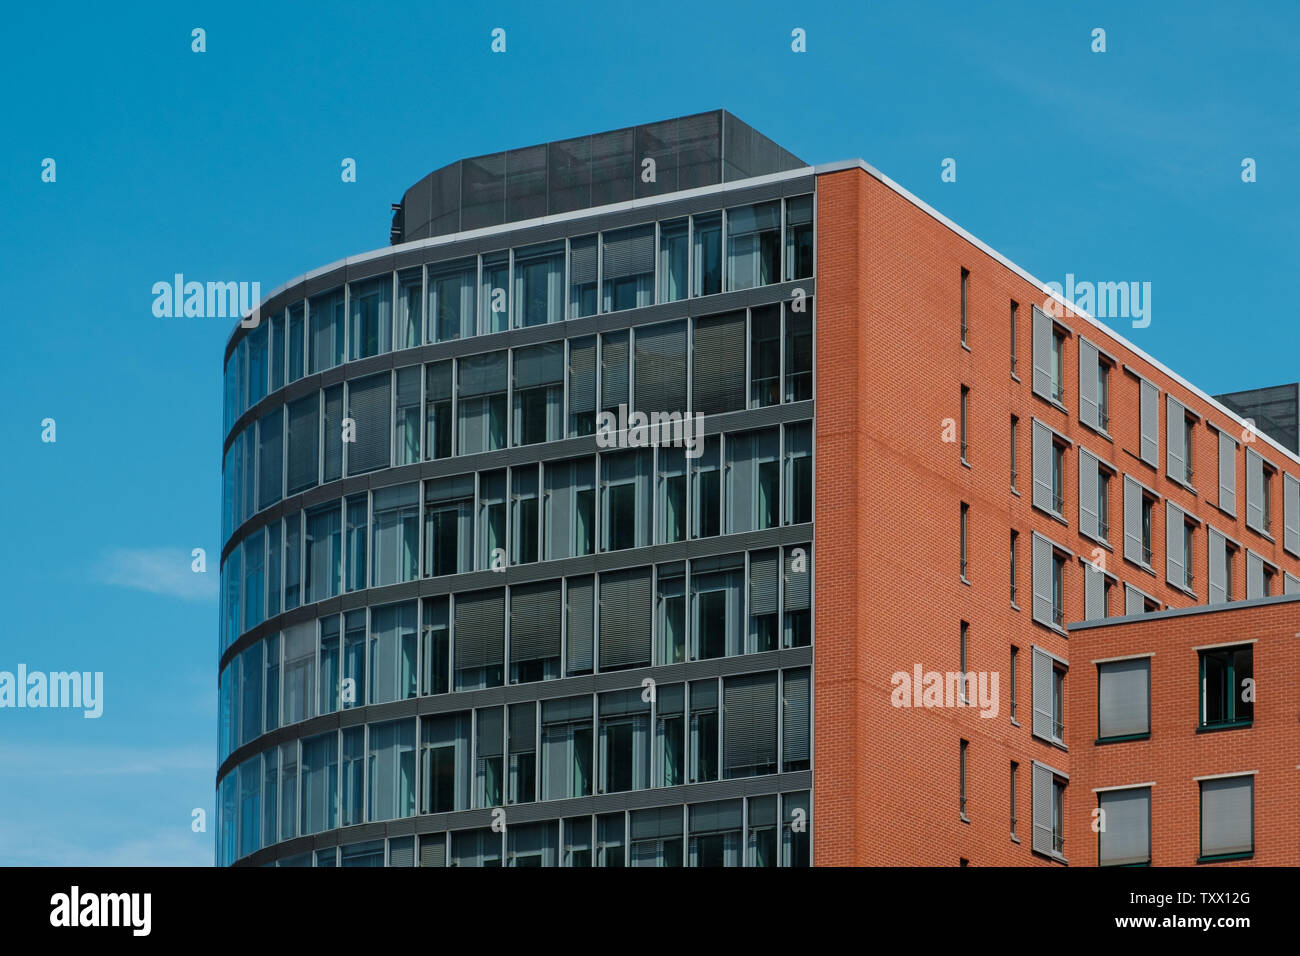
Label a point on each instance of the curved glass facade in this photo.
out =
(488, 583)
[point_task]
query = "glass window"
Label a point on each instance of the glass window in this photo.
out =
(408, 332)
(718, 365)
(753, 481)
(796, 827)
(356, 542)
(444, 763)
(233, 573)
(535, 632)
(539, 285)
(451, 300)
(610, 840)
(1227, 686)
(437, 411)
(670, 735)
(481, 403)
(582, 386)
(753, 245)
(270, 465)
(704, 730)
(289, 790)
(479, 634)
(435, 651)
(324, 553)
(717, 604)
(449, 525)
(798, 588)
(524, 515)
(272, 683)
(363, 854)
(798, 473)
(661, 379)
(296, 340)
(353, 774)
(706, 254)
(798, 356)
(325, 312)
(371, 305)
(625, 498)
(396, 532)
(539, 393)
(494, 297)
(707, 487)
(796, 717)
(522, 727)
(582, 277)
(270, 794)
(674, 258)
(764, 601)
(257, 362)
(320, 783)
(671, 489)
(476, 848)
(254, 579)
(491, 521)
(569, 514)
(628, 268)
(392, 657)
(716, 833)
(299, 672)
(762, 831)
(370, 408)
(250, 693)
(278, 323)
(391, 770)
(406, 423)
(670, 612)
(614, 375)
(354, 658)
(624, 741)
(566, 748)
(765, 356)
(489, 743)
(273, 582)
(329, 659)
(332, 430)
(292, 560)
(577, 842)
(799, 237)
(250, 805)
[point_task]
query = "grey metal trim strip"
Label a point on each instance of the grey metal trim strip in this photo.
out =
(1184, 611)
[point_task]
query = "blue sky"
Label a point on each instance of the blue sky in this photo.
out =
(1121, 166)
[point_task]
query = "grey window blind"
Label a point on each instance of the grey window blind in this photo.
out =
(369, 405)
(1228, 473)
(1094, 593)
(1042, 453)
(1042, 568)
(1290, 584)
(796, 732)
(333, 429)
(1291, 514)
(1127, 837)
(582, 375)
(482, 374)
(718, 384)
(523, 728)
(539, 365)
(1254, 575)
(480, 622)
(1089, 399)
(1089, 516)
(270, 458)
(1174, 568)
(748, 723)
(1149, 423)
(1044, 831)
(1134, 601)
(581, 623)
(1227, 816)
(535, 621)
(669, 700)
(433, 849)
(489, 740)
(438, 382)
(715, 817)
(798, 584)
(661, 368)
(582, 262)
(566, 709)
(629, 252)
(613, 369)
(621, 703)
(657, 823)
(1042, 354)
(740, 481)
(1175, 444)
(625, 615)
(1133, 521)
(763, 582)
(401, 852)
(1218, 566)
(304, 441)
(1254, 491)
(1044, 712)
(1123, 698)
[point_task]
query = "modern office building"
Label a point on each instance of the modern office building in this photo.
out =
(489, 597)
(1274, 409)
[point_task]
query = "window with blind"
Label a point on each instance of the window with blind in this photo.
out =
(580, 625)
(369, 407)
(625, 499)
(481, 403)
(670, 735)
(661, 370)
(449, 525)
(1227, 818)
(569, 509)
(535, 632)
(1126, 838)
(324, 550)
(753, 495)
(304, 443)
(538, 393)
(332, 431)
(437, 411)
(444, 763)
(764, 601)
(406, 419)
(717, 832)
(524, 515)
(753, 245)
(1124, 699)
(674, 260)
(521, 728)
(656, 837)
(582, 386)
(392, 653)
(451, 300)
(494, 293)
(567, 748)
(718, 382)
(270, 458)
(489, 754)
(717, 607)
(391, 770)
(539, 285)
(796, 729)
(614, 371)
(325, 314)
(257, 362)
(296, 341)
(749, 716)
(408, 325)
(797, 581)
(625, 617)
(582, 277)
(479, 635)
(628, 268)
(624, 741)
(371, 307)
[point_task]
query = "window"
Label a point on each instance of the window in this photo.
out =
(798, 473)
(1094, 386)
(437, 411)
(965, 536)
(304, 444)
(535, 632)
(1149, 422)
(764, 601)
(406, 423)
(408, 328)
(1258, 487)
(479, 630)
(962, 658)
(1015, 772)
(371, 306)
(707, 490)
(580, 633)
(671, 492)
(1015, 661)
(753, 245)
(566, 748)
(392, 653)
(577, 842)
(716, 833)
(435, 647)
(444, 763)
(718, 378)
(296, 340)
(324, 547)
(449, 525)
(670, 613)
(494, 293)
(481, 399)
(1015, 443)
(524, 515)
(489, 744)
(704, 731)
(396, 546)
(1058, 366)
(491, 552)
(706, 254)
(660, 352)
(522, 727)
(796, 834)
(1049, 811)
(1015, 543)
(1015, 347)
(1222, 558)
(761, 842)
(796, 732)
(965, 319)
(961, 776)
(1049, 583)
(1049, 345)
(625, 500)
(798, 589)
(1049, 470)
(614, 373)
(1227, 686)
(1049, 678)
(1138, 504)
(798, 355)
(325, 312)
(320, 783)
(1227, 473)
(656, 837)
(670, 736)
(717, 607)
(625, 619)
(674, 259)
(628, 268)
(1227, 818)
(753, 481)
(451, 300)
(799, 238)
(355, 575)
(610, 840)
(624, 741)
(1291, 514)
(1178, 441)
(764, 356)
(539, 285)
(391, 770)
(582, 277)
(749, 725)
(569, 510)
(965, 423)
(1124, 699)
(1179, 530)
(1126, 838)
(332, 431)
(369, 408)
(1096, 590)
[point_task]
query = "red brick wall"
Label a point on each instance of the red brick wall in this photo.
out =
(889, 371)
(1175, 754)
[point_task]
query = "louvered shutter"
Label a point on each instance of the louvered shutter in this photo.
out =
(748, 723)
(480, 629)
(1094, 593)
(1218, 567)
(1044, 832)
(1042, 568)
(1254, 575)
(1254, 491)
(1175, 440)
(270, 458)
(1291, 514)
(582, 262)
(582, 375)
(581, 628)
(625, 615)
(1089, 401)
(763, 583)
(433, 849)
(539, 365)
(1290, 584)
(332, 427)
(1043, 354)
(1227, 473)
(1149, 423)
(1042, 452)
(1089, 518)
(629, 252)
(661, 368)
(796, 731)
(1175, 571)
(1044, 712)
(534, 622)
(798, 584)
(1133, 521)
(304, 441)
(401, 852)
(1134, 601)
(718, 382)
(369, 406)
(523, 728)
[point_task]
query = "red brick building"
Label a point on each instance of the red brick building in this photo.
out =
(988, 472)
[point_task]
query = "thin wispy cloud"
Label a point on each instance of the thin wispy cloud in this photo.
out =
(158, 571)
